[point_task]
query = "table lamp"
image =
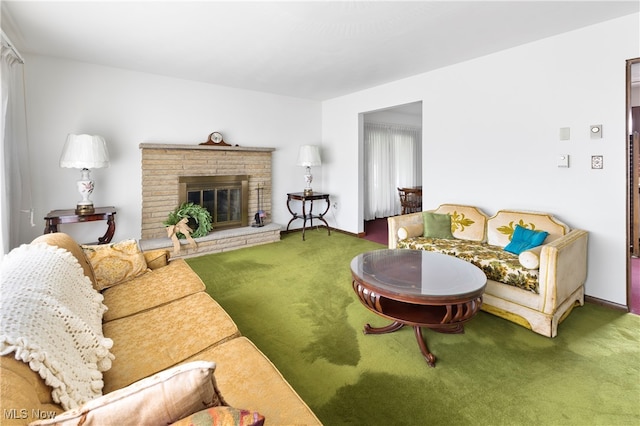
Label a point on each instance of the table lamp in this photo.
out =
(85, 152)
(309, 156)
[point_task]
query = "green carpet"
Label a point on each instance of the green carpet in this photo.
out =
(294, 300)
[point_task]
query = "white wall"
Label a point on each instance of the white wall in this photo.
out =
(393, 116)
(128, 108)
(491, 138)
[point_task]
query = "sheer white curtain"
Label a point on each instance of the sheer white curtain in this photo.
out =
(393, 158)
(16, 213)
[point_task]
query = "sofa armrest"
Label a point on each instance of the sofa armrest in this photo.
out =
(396, 222)
(563, 268)
(157, 258)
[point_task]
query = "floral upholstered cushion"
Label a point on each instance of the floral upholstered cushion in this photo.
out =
(222, 416)
(115, 263)
(497, 264)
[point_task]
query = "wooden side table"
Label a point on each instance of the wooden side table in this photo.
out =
(301, 196)
(56, 217)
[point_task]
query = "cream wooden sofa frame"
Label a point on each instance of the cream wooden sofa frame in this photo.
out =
(562, 270)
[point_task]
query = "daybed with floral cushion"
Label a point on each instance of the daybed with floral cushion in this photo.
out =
(534, 287)
(108, 335)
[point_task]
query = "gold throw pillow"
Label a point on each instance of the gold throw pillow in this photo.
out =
(115, 263)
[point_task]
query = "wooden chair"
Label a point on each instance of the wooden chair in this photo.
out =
(410, 199)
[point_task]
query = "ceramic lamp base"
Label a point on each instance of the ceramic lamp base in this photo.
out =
(308, 178)
(85, 187)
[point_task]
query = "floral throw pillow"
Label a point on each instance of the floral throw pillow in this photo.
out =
(115, 263)
(222, 416)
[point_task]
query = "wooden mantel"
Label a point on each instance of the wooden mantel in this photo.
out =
(145, 145)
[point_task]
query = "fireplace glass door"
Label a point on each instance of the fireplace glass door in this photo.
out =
(224, 197)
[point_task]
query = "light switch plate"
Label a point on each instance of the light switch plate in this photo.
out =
(597, 162)
(563, 160)
(565, 133)
(596, 131)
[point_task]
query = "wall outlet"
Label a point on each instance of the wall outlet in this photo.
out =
(597, 162)
(335, 205)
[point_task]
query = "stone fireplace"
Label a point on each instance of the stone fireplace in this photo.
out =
(172, 174)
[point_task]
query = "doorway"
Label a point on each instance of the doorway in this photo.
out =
(391, 144)
(633, 148)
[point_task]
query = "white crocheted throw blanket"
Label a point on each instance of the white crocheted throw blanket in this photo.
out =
(51, 317)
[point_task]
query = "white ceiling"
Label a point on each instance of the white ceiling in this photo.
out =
(315, 49)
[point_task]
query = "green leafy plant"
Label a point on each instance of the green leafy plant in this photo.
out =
(195, 213)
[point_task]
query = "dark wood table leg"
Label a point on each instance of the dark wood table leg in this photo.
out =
(397, 325)
(321, 216)
(50, 227)
(428, 356)
(111, 229)
(394, 326)
(304, 217)
(293, 214)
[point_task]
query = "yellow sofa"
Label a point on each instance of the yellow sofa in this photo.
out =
(159, 320)
(536, 289)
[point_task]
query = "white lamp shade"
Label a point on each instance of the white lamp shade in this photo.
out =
(84, 152)
(309, 156)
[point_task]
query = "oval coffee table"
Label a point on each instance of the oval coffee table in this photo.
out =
(418, 288)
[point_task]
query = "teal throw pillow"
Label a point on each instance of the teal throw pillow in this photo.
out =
(525, 239)
(437, 225)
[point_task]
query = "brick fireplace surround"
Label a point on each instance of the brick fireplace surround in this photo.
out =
(164, 164)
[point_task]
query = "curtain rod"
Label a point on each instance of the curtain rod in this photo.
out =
(6, 39)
